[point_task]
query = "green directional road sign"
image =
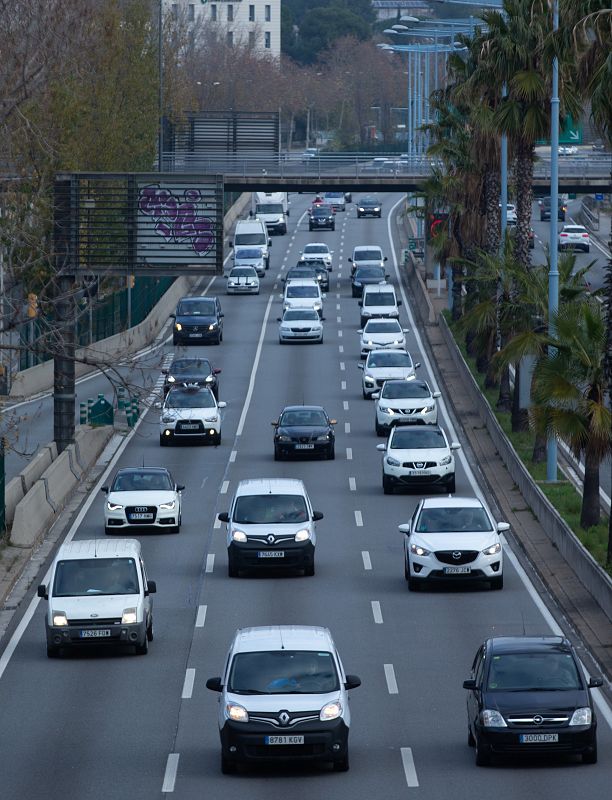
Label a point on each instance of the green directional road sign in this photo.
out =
(570, 132)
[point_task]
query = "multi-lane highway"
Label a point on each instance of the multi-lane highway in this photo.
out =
(95, 726)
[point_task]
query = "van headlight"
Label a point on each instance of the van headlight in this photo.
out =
(581, 716)
(212, 326)
(239, 536)
(302, 536)
(330, 711)
(236, 713)
(171, 379)
(178, 326)
(129, 616)
(167, 506)
(59, 619)
(113, 506)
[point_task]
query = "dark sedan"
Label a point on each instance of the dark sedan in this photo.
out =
(365, 276)
(369, 207)
(304, 430)
(194, 371)
(527, 695)
(322, 216)
(198, 320)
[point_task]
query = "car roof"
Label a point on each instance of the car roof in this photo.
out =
(316, 244)
(193, 388)
(302, 408)
(452, 502)
(198, 298)
(389, 350)
(369, 199)
(304, 282)
(361, 247)
(525, 644)
(99, 548)
(574, 227)
(270, 486)
(130, 470)
(282, 637)
(334, 194)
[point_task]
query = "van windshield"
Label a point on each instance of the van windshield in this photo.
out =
(367, 255)
(196, 308)
(264, 509)
(283, 672)
(269, 208)
(379, 299)
(249, 252)
(250, 238)
(302, 291)
(90, 576)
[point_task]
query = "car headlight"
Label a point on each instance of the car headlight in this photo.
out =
(302, 536)
(211, 419)
(212, 326)
(114, 506)
(385, 410)
(129, 616)
(361, 209)
(369, 342)
(283, 438)
(331, 710)
(239, 536)
(210, 378)
(317, 306)
(167, 419)
(397, 341)
(369, 379)
(490, 718)
(357, 283)
(417, 550)
(59, 619)
(171, 379)
(178, 326)
(377, 209)
(444, 461)
(168, 506)
(581, 716)
(427, 409)
(392, 462)
(236, 713)
(491, 551)
(323, 438)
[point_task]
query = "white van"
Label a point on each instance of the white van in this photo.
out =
(367, 255)
(253, 232)
(379, 300)
(273, 208)
(98, 594)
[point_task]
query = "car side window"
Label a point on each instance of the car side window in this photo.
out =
(478, 667)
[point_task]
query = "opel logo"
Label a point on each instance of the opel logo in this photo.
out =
(93, 615)
(284, 718)
(456, 555)
(538, 720)
(270, 538)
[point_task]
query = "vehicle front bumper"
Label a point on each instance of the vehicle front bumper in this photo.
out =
(385, 420)
(574, 740)
(163, 519)
(482, 568)
(433, 476)
(75, 635)
(185, 336)
(243, 289)
(299, 448)
(301, 336)
(296, 555)
(207, 430)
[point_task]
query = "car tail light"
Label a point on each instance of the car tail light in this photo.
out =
(563, 234)
(585, 235)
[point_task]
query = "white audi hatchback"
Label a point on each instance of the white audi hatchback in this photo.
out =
(143, 498)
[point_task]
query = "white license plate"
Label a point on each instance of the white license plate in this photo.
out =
(457, 570)
(95, 633)
(304, 447)
(190, 427)
(284, 740)
(418, 472)
(195, 335)
(271, 554)
(141, 516)
(538, 738)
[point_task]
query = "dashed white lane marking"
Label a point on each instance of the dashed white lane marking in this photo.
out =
(345, 405)
(367, 563)
(349, 453)
(342, 366)
(337, 306)
(170, 773)
(358, 519)
(217, 523)
(224, 487)
(201, 616)
(343, 385)
(233, 455)
(338, 320)
(390, 677)
(279, 276)
(338, 295)
(341, 348)
(210, 562)
(352, 484)
(188, 683)
(376, 612)
(340, 334)
(347, 427)
(409, 768)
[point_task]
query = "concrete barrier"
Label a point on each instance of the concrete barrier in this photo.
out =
(59, 480)
(33, 516)
(419, 291)
(13, 494)
(39, 463)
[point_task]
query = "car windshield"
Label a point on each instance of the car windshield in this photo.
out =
(377, 273)
(321, 211)
(269, 208)
(303, 313)
(389, 359)
(266, 509)
(283, 672)
(90, 576)
(243, 272)
(423, 438)
(141, 481)
(379, 299)
(367, 255)
(316, 248)
(450, 520)
(369, 201)
(306, 417)
(516, 672)
(180, 399)
(301, 273)
(190, 366)
(335, 195)
(302, 291)
(196, 308)
(248, 252)
(391, 326)
(394, 390)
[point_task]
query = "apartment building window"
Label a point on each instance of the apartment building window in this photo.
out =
(230, 13)
(230, 39)
(268, 13)
(191, 12)
(252, 40)
(213, 12)
(267, 40)
(251, 13)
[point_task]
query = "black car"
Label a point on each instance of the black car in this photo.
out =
(322, 216)
(198, 320)
(322, 275)
(315, 268)
(194, 371)
(304, 430)
(528, 695)
(369, 207)
(544, 204)
(366, 276)
(302, 272)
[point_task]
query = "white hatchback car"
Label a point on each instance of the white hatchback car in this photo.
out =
(574, 237)
(418, 455)
(300, 325)
(380, 334)
(190, 412)
(405, 402)
(242, 280)
(142, 497)
(453, 538)
(303, 294)
(317, 251)
(385, 365)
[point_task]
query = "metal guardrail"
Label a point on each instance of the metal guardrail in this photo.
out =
(589, 213)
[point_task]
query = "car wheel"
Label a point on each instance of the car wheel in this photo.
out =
(353, 293)
(107, 531)
(232, 570)
(470, 738)
(228, 767)
(587, 249)
(142, 649)
(218, 339)
(497, 583)
(482, 754)
(277, 454)
(54, 652)
(150, 631)
(310, 227)
(331, 453)
(450, 485)
(388, 484)
(413, 585)
(174, 341)
(217, 439)
(309, 571)
(364, 394)
(380, 431)
(333, 227)
(341, 764)
(590, 757)
(162, 440)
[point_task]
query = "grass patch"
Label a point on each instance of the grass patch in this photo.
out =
(563, 496)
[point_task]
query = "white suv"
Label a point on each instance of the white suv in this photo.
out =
(190, 412)
(283, 696)
(384, 365)
(453, 538)
(418, 455)
(381, 333)
(303, 294)
(405, 403)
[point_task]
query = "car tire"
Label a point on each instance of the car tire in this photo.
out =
(380, 431)
(232, 569)
(590, 756)
(333, 227)
(162, 440)
(228, 767)
(310, 227)
(320, 340)
(331, 453)
(587, 249)
(341, 764)
(277, 454)
(470, 738)
(365, 395)
(354, 293)
(53, 652)
(150, 635)
(413, 585)
(388, 484)
(482, 754)
(450, 485)
(309, 571)
(174, 341)
(142, 649)
(108, 531)
(497, 583)
(219, 339)
(217, 439)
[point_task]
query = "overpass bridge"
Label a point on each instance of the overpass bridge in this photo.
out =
(584, 174)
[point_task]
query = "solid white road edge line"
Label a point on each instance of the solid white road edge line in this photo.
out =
(376, 612)
(170, 773)
(201, 616)
(409, 768)
(249, 394)
(188, 683)
(390, 678)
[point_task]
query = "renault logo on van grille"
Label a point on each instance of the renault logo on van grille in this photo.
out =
(284, 718)
(270, 538)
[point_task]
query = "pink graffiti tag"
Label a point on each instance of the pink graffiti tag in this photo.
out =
(178, 220)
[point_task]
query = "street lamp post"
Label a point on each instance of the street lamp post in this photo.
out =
(160, 70)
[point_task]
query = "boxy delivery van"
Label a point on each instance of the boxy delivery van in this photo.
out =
(272, 208)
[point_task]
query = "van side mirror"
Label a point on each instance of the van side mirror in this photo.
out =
(399, 302)
(179, 487)
(172, 316)
(385, 258)
(317, 515)
(214, 684)
(360, 303)
(417, 364)
(42, 592)
(151, 587)
(352, 682)
(471, 684)
(223, 516)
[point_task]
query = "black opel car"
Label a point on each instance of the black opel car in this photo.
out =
(198, 320)
(304, 430)
(528, 695)
(366, 276)
(322, 216)
(191, 371)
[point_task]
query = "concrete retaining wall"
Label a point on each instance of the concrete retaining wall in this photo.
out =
(419, 291)
(589, 573)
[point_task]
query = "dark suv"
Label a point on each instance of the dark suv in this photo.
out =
(322, 216)
(545, 209)
(528, 695)
(193, 371)
(369, 207)
(198, 320)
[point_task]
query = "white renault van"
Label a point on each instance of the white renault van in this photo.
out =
(283, 697)
(379, 300)
(273, 208)
(253, 233)
(98, 594)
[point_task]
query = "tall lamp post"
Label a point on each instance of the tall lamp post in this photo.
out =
(160, 70)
